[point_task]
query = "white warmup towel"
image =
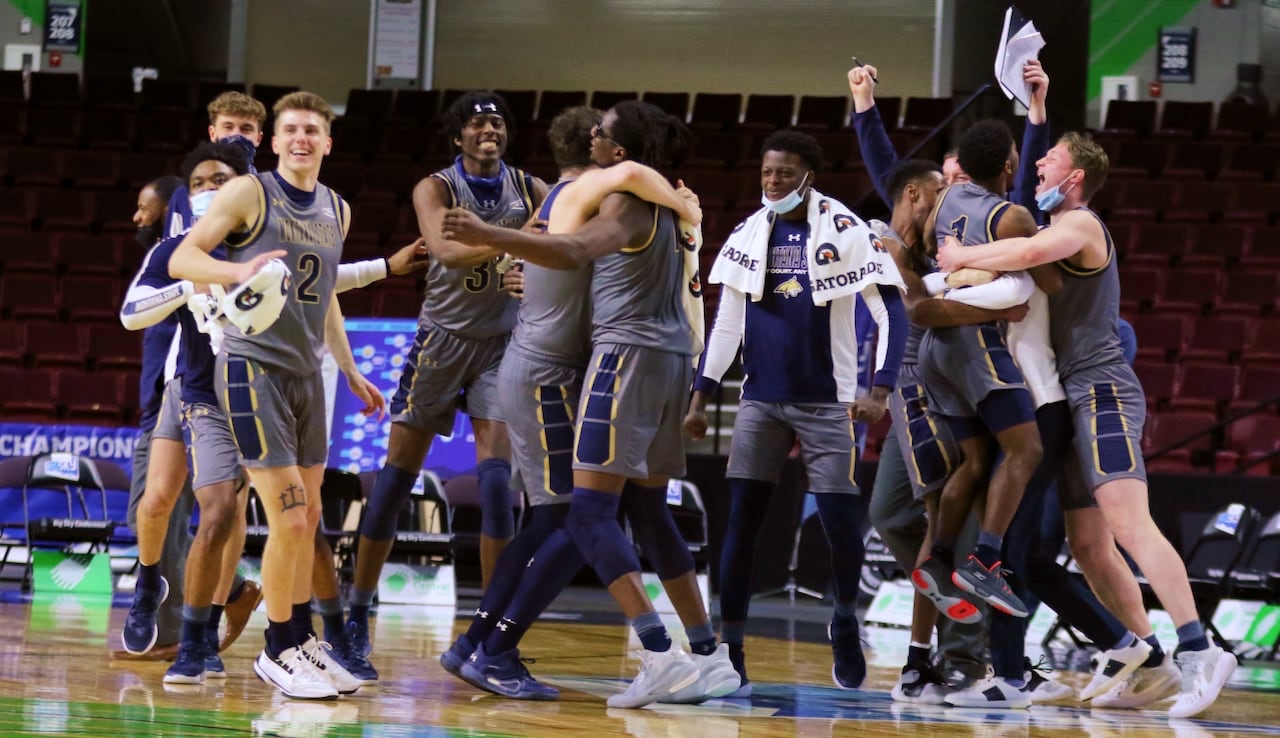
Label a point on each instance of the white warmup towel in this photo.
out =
(691, 241)
(844, 254)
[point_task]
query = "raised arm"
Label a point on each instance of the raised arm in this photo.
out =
(236, 207)
(873, 140)
(1035, 140)
(623, 221)
(430, 202)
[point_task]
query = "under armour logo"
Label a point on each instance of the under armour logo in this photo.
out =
(277, 202)
(503, 626)
(482, 614)
(794, 238)
(488, 204)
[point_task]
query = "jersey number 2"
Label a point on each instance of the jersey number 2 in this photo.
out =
(309, 263)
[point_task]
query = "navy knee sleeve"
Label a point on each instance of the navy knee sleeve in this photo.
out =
(593, 525)
(493, 477)
(382, 509)
(655, 530)
(841, 516)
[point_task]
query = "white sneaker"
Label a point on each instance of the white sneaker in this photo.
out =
(318, 652)
(1143, 687)
(716, 678)
(920, 687)
(1203, 675)
(294, 675)
(994, 692)
(1043, 688)
(661, 673)
(1114, 666)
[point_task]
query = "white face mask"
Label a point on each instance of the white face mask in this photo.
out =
(790, 201)
(200, 203)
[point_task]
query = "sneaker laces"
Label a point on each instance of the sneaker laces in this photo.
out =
(1039, 668)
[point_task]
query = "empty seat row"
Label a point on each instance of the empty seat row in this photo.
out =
(74, 395)
(1179, 119)
(1172, 337)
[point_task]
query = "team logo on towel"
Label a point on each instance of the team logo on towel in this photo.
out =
(843, 222)
(824, 206)
(877, 244)
(695, 286)
(828, 254)
(789, 289)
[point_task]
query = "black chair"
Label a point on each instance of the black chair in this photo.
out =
(72, 476)
(1257, 576)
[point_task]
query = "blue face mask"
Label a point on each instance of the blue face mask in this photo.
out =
(244, 144)
(788, 203)
(200, 203)
(1050, 199)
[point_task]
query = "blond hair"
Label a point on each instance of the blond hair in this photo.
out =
(1086, 154)
(237, 104)
(308, 101)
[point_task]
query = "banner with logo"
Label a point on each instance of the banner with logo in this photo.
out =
(63, 21)
(95, 442)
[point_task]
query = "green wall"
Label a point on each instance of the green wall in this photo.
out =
(1121, 31)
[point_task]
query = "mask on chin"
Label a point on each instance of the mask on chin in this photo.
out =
(200, 203)
(1048, 200)
(245, 145)
(789, 202)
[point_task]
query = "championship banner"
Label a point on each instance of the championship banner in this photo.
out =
(95, 442)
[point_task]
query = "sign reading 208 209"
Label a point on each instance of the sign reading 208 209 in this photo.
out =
(62, 26)
(1176, 55)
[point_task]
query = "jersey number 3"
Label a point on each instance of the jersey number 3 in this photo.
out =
(479, 278)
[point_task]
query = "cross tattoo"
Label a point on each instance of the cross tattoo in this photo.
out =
(292, 496)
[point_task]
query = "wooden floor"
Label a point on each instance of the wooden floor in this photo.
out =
(57, 678)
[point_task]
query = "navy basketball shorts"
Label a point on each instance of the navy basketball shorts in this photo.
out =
(924, 437)
(277, 419)
(444, 372)
(764, 433)
(631, 415)
(540, 403)
(211, 450)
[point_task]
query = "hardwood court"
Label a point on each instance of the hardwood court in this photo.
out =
(57, 678)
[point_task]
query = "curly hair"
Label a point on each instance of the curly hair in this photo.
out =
(794, 142)
(984, 149)
(570, 136)
(650, 135)
(227, 153)
(907, 172)
(455, 117)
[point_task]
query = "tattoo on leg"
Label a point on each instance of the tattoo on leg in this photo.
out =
(292, 496)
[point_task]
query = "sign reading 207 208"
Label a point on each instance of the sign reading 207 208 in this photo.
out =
(1176, 55)
(62, 26)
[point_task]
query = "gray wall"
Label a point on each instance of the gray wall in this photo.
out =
(11, 15)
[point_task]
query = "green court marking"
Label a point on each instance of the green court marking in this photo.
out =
(53, 717)
(1122, 31)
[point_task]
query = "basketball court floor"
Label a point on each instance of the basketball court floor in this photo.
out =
(57, 677)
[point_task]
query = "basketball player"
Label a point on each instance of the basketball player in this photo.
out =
(978, 388)
(638, 375)
(463, 329)
(1108, 409)
(798, 385)
(269, 382)
(540, 380)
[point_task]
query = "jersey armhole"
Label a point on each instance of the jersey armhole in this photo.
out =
(653, 233)
(244, 238)
(448, 186)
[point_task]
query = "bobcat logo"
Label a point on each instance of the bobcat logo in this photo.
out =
(789, 289)
(827, 254)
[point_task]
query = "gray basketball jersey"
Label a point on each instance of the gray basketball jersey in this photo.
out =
(469, 301)
(636, 292)
(554, 319)
(911, 354)
(969, 212)
(1082, 316)
(312, 236)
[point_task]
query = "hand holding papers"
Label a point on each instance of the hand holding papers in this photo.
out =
(1020, 42)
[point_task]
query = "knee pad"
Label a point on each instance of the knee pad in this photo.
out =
(387, 498)
(593, 525)
(493, 478)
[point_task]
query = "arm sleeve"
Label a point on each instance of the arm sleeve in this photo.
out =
(890, 313)
(722, 345)
(935, 283)
(877, 149)
(360, 274)
(1035, 144)
(145, 305)
(1005, 291)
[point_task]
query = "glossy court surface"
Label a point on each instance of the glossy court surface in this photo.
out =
(58, 678)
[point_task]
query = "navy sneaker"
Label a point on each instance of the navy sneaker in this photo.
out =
(457, 655)
(140, 631)
(213, 667)
(503, 674)
(849, 665)
(189, 667)
(353, 653)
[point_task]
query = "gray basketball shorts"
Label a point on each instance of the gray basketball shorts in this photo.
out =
(963, 366)
(169, 421)
(277, 419)
(631, 415)
(211, 451)
(1108, 409)
(764, 433)
(443, 373)
(928, 448)
(540, 403)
